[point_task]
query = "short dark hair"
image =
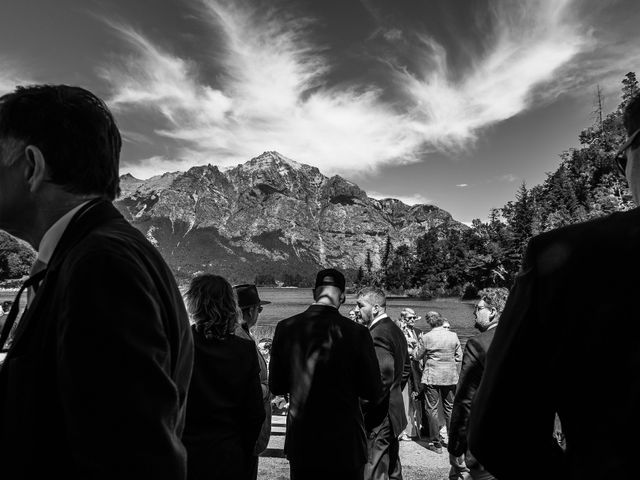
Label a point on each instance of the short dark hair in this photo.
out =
(494, 297)
(375, 294)
(75, 131)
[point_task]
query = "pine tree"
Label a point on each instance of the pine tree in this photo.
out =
(630, 89)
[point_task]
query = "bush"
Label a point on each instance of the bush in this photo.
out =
(469, 291)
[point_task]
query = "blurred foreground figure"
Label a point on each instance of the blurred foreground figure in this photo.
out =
(486, 315)
(326, 363)
(225, 409)
(386, 420)
(544, 357)
(95, 383)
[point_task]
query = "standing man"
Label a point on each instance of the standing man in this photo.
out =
(542, 362)
(326, 363)
(411, 391)
(442, 354)
(486, 313)
(386, 420)
(251, 306)
(94, 385)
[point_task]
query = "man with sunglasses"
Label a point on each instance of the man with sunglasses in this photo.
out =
(251, 306)
(552, 353)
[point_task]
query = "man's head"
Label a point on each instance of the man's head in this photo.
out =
(371, 303)
(408, 317)
(71, 128)
(490, 306)
(629, 154)
(249, 303)
(329, 287)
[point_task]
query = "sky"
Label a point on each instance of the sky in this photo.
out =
(449, 102)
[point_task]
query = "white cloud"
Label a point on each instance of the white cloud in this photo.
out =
(271, 93)
(462, 185)
(415, 199)
(534, 40)
(11, 76)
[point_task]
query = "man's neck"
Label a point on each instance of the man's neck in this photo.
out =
(48, 210)
(324, 300)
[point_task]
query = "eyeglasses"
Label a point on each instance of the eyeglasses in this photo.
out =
(411, 318)
(480, 307)
(621, 154)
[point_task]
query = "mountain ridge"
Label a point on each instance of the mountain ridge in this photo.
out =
(269, 215)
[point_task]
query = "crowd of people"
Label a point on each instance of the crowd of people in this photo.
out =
(109, 376)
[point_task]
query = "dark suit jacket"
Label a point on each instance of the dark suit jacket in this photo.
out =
(393, 358)
(556, 350)
(326, 362)
(473, 362)
(95, 383)
(224, 410)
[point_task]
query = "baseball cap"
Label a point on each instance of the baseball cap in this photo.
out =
(330, 277)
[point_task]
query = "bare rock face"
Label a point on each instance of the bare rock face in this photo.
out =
(270, 215)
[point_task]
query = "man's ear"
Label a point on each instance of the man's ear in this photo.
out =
(343, 298)
(494, 312)
(36, 172)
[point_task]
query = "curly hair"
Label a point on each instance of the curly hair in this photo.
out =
(494, 297)
(434, 319)
(212, 303)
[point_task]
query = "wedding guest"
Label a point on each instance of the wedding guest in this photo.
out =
(95, 382)
(412, 391)
(540, 362)
(251, 306)
(225, 405)
(442, 352)
(327, 364)
(385, 420)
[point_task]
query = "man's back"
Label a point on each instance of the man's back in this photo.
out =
(326, 363)
(555, 352)
(442, 353)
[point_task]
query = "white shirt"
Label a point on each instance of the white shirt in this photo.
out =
(377, 319)
(52, 236)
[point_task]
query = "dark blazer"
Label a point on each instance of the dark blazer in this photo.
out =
(393, 358)
(473, 362)
(95, 383)
(224, 409)
(326, 362)
(556, 349)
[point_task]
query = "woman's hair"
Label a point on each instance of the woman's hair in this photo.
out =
(212, 303)
(434, 319)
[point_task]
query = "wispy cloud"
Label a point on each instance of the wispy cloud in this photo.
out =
(533, 41)
(272, 92)
(11, 76)
(415, 199)
(462, 185)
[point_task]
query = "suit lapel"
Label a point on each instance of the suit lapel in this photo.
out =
(84, 221)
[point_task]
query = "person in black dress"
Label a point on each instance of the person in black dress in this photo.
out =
(224, 406)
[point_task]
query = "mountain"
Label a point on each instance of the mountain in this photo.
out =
(268, 216)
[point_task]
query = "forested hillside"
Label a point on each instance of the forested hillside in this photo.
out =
(584, 186)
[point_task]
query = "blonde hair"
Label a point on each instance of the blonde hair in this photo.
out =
(212, 303)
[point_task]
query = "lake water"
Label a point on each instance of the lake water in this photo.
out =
(290, 301)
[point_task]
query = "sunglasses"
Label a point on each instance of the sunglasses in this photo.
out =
(260, 308)
(621, 154)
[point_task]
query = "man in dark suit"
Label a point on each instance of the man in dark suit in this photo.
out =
(553, 352)
(486, 314)
(94, 385)
(386, 420)
(326, 363)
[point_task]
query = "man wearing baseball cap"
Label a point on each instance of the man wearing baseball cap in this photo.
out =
(250, 305)
(326, 363)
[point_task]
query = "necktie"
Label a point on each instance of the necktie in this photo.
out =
(36, 268)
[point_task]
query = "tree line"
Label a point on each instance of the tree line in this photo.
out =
(450, 261)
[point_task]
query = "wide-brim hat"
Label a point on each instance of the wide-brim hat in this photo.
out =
(248, 296)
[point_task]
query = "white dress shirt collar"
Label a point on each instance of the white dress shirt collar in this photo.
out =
(52, 236)
(377, 319)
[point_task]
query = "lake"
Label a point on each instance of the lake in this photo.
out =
(290, 301)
